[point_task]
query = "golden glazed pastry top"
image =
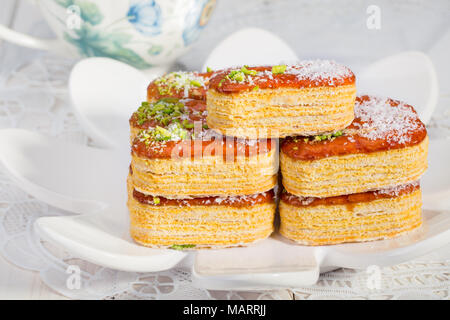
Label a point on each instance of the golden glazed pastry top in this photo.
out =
(350, 199)
(179, 85)
(380, 124)
(172, 127)
(305, 74)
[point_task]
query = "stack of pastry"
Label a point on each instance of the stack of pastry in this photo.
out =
(350, 166)
(205, 159)
(359, 185)
(307, 98)
(189, 187)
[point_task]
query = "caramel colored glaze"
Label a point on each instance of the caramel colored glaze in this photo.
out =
(277, 81)
(194, 93)
(196, 149)
(350, 200)
(238, 201)
(229, 147)
(353, 143)
(195, 109)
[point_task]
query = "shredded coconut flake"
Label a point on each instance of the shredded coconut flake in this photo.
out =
(232, 199)
(303, 200)
(396, 190)
(316, 70)
(381, 120)
(181, 81)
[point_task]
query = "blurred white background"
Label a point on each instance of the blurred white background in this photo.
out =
(330, 28)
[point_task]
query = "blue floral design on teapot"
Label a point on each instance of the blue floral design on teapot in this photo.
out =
(145, 16)
(142, 33)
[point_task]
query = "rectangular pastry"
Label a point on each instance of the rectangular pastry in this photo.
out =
(175, 155)
(188, 186)
(371, 215)
(306, 98)
(386, 145)
(207, 222)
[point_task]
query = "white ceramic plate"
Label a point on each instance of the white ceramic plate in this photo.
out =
(105, 92)
(91, 183)
(249, 46)
(407, 76)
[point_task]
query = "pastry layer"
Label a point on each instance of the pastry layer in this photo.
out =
(325, 224)
(206, 176)
(281, 112)
(305, 98)
(205, 226)
(353, 173)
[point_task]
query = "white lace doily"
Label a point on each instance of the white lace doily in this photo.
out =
(34, 96)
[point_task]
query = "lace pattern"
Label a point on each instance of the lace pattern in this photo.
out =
(413, 280)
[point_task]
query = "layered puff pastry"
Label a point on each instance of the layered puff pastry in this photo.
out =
(208, 222)
(386, 145)
(307, 98)
(175, 155)
(367, 216)
(190, 187)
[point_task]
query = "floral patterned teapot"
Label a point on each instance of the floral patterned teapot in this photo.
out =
(142, 33)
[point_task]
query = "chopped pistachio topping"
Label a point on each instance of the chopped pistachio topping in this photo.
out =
(196, 83)
(279, 69)
(208, 69)
(236, 75)
(182, 246)
(248, 72)
(156, 200)
(177, 132)
(239, 75)
(205, 126)
(329, 136)
(188, 125)
(165, 121)
(165, 110)
(176, 81)
(255, 88)
(173, 132)
(161, 134)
